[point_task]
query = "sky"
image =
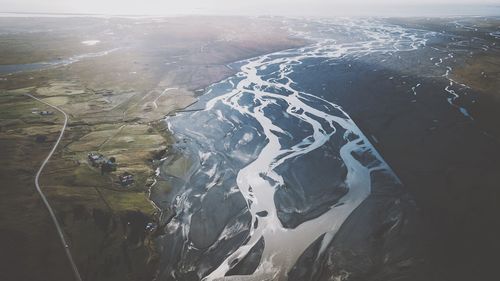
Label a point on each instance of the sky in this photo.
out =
(251, 7)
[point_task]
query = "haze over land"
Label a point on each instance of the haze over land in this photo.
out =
(324, 8)
(346, 140)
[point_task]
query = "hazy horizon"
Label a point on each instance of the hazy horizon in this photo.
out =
(256, 7)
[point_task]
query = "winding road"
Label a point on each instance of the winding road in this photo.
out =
(42, 195)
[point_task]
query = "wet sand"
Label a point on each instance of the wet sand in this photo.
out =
(406, 101)
(114, 100)
(447, 160)
(366, 151)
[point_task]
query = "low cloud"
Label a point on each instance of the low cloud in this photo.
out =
(252, 7)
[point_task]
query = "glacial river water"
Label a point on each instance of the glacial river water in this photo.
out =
(264, 168)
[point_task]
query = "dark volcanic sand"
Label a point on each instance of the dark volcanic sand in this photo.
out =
(449, 163)
(439, 224)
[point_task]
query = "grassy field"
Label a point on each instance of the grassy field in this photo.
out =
(115, 104)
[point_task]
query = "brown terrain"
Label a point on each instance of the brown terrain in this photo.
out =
(115, 102)
(155, 67)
